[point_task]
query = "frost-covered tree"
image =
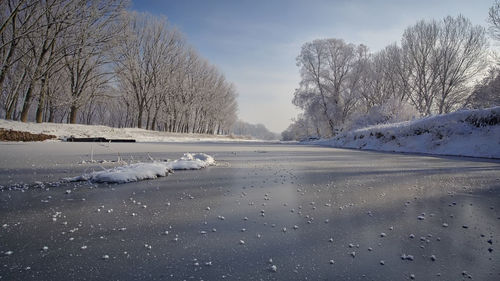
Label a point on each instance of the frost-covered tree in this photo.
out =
(385, 83)
(343, 86)
(44, 49)
(486, 93)
(420, 57)
(86, 52)
(462, 54)
(494, 20)
(167, 85)
(92, 62)
(18, 19)
(441, 59)
(301, 128)
(140, 56)
(40, 39)
(331, 72)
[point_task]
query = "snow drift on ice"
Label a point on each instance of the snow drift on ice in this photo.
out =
(192, 161)
(142, 171)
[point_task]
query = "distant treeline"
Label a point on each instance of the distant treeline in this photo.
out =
(256, 131)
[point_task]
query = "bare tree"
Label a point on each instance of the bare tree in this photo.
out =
(332, 76)
(442, 57)
(461, 58)
(385, 78)
(312, 63)
(89, 61)
(141, 56)
(18, 19)
(45, 46)
(419, 45)
(342, 84)
(494, 20)
(487, 92)
(86, 54)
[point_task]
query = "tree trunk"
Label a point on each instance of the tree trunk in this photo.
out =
(10, 110)
(155, 118)
(153, 123)
(13, 44)
(13, 105)
(148, 119)
(73, 114)
(41, 101)
(27, 103)
(46, 113)
(39, 110)
(139, 119)
(52, 114)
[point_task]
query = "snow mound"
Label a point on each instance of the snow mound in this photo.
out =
(474, 133)
(192, 161)
(128, 173)
(142, 171)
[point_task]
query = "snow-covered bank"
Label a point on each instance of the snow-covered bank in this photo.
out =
(142, 171)
(474, 133)
(83, 131)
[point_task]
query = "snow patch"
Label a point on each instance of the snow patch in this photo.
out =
(191, 161)
(474, 133)
(142, 171)
(64, 131)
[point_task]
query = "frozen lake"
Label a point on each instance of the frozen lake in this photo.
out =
(265, 212)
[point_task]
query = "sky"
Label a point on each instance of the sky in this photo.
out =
(255, 42)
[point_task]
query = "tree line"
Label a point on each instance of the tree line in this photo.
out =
(432, 71)
(257, 131)
(95, 62)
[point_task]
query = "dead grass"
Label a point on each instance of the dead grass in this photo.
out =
(11, 135)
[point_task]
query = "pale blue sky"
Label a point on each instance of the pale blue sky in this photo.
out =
(255, 43)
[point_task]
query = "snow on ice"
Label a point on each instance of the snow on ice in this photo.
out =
(141, 171)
